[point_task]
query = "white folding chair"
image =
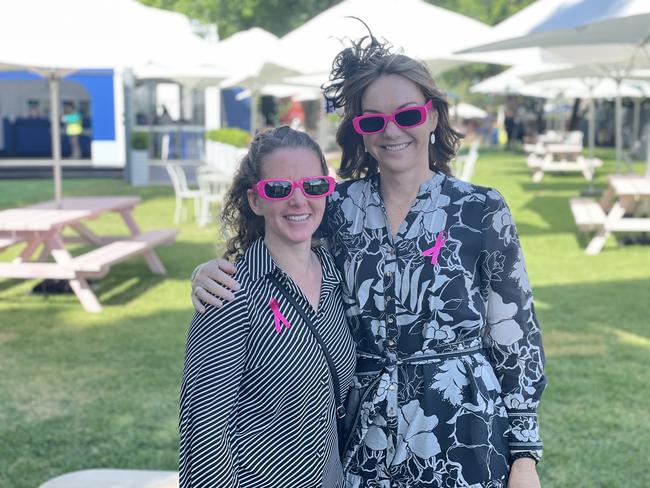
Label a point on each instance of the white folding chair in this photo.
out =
(213, 186)
(182, 192)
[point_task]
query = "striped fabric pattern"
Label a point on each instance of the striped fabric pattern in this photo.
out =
(257, 405)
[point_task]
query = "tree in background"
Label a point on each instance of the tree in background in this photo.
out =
(230, 16)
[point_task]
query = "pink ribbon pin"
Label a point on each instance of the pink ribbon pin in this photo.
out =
(434, 251)
(278, 318)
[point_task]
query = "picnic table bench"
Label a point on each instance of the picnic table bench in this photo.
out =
(617, 211)
(41, 226)
(562, 158)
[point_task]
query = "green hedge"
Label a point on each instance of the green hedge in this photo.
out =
(229, 135)
(139, 140)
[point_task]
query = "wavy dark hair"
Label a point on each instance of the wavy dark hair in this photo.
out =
(238, 217)
(353, 70)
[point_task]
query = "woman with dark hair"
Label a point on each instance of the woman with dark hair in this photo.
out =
(449, 353)
(266, 374)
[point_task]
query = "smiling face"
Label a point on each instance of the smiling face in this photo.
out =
(292, 221)
(396, 149)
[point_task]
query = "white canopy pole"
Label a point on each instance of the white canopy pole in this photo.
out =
(647, 150)
(592, 123)
(619, 125)
(56, 136)
(636, 123)
(254, 97)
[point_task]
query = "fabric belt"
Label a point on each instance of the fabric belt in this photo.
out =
(371, 363)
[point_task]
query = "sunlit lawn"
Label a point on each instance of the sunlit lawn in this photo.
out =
(80, 391)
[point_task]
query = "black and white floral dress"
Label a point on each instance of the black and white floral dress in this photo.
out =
(449, 353)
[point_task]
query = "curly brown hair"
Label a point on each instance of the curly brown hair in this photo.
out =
(357, 67)
(238, 217)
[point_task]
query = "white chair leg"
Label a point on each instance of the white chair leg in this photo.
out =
(177, 211)
(197, 211)
(205, 212)
(183, 212)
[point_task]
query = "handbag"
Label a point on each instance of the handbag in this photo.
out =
(340, 410)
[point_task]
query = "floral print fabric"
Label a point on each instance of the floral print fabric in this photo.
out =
(449, 354)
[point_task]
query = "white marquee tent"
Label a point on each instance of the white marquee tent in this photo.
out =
(422, 30)
(583, 32)
(55, 39)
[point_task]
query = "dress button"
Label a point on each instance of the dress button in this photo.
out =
(391, 320)
(392, 387)
(389, 274)
(391, 412)
(391, 342)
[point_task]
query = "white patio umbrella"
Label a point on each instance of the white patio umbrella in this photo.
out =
(602, 81)
(467, 111)
(584, 32)
(534, 81)
(55, 39)
(254, 59)
(422, 30)
(511, 82)
(191, 76)
(571, 28)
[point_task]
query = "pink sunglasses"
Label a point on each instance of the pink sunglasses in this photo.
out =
(404, 118)
(282, 189)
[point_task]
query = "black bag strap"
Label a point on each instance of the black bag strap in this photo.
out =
(340, 408)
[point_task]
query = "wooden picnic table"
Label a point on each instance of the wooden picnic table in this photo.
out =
(560, 152)
(618, 210)
(41, 226)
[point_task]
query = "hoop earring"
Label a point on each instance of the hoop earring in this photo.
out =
(433, 138)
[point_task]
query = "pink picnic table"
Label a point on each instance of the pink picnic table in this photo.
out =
(621, 209)
(41, 226)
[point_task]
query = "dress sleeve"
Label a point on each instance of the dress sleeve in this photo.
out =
(214, 364)
(513, 337)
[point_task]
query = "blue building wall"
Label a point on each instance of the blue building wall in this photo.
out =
(99, 85)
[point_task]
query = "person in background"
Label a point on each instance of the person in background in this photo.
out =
(266, 375)
(73, 128)
(33, 110)
(165, 117)
(450, 363)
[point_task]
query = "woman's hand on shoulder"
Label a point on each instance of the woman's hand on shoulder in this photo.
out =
(523, 474)
(212, 283)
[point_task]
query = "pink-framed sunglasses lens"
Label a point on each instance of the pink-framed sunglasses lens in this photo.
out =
(282, 189)
(405, 118)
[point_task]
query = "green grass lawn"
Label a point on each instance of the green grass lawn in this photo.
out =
(80, 390)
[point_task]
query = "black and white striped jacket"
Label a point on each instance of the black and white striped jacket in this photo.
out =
(257, 405)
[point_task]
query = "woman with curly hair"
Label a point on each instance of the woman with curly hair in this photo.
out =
(266, 374)
(449, 352)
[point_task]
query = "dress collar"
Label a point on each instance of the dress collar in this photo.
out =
(425, 188)
(261, 263)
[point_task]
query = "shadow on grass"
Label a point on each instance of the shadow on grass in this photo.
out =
(559, 183)
(103, 395)
(101, 391)
(583, 307)
(129, 279)
(554, 211)
(17, 193)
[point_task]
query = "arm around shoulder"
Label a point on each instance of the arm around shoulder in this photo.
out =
(213, 283)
